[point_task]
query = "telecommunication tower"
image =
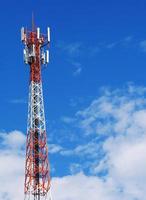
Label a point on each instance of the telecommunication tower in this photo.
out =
(37, 170)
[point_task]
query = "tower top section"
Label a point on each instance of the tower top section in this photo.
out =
(35, 50)
(35, 36)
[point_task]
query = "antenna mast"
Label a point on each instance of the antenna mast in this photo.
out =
(37, 171)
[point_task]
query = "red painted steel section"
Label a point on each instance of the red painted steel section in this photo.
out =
(37, 164)
(35, 66)
(32, 175)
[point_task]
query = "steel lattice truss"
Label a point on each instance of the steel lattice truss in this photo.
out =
(37, 174)
(37, 171)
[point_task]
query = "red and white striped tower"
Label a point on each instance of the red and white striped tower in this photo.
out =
(37, 171)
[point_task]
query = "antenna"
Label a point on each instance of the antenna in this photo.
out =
(33, 24)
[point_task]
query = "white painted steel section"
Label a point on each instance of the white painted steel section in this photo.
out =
(36, 107)
(36, 110)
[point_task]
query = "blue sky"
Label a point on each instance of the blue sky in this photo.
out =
(93, 44)
(94, 89)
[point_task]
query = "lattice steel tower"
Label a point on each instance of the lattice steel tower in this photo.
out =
(37, 171)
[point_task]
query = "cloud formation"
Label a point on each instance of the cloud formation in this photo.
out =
(116, 122)
(113, 127)
(11, 165)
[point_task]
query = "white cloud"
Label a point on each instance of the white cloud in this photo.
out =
(12, 176)
(71, 49)
(120, 116)
(13, 140)
(126, 163)
(67, 120)
(125, 42)
(78, 68)
(118, 159)
(54, 148)
(75, 168)
(143, 45)
(90, 150)
(114, 112)
(81, 187)
(111, 45)
(11, 165)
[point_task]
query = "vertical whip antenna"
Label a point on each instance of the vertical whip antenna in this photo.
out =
(32, 22)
